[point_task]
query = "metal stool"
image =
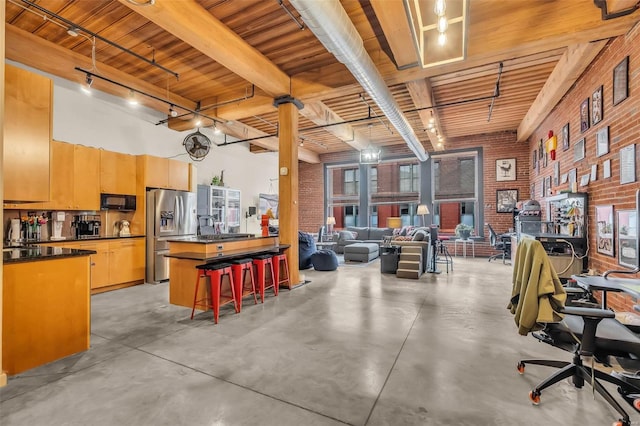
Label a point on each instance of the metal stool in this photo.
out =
(278, 268)
(216, 273)
(445, 256)
(260, 262)
(243, 287)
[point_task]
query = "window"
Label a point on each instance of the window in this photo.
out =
(373, 179)
(455, 188)
(351, 181)
(409, 178)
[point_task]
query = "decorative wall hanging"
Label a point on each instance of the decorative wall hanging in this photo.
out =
(547, 187)
(627, 235)
(584, 115)
(606, 169)
(602, 141)
(532, 191)
(506, 169)
(565, 137)
(506, 200)
(594, 172)
(596, 106)
(535, 159)
(578, 150)
(540, 149)
(621, 81)
(604, 226)
(556, 173)
(545, 160)
(628, 164)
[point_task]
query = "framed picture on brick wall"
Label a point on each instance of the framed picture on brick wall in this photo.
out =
(578, 150)
(596, 106)
(627, 238)
(621, 81)
(604, 226)
(602, 141)
(565, 137)
(506, 169)
(506, 200)
(584, 115)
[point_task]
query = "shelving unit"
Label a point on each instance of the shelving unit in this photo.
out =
(222, 206)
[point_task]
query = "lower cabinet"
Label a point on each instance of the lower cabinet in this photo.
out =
(115, 262)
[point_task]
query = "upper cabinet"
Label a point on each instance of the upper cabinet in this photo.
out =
(117, 173)
(27, 135)
(74, 178)
(166, 173)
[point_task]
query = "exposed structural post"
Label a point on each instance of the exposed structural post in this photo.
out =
(288, 183)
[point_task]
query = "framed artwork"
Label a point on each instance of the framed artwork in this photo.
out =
(545, 159)
(578, 150)
(532, 191)
(506, 200)
(621, 81)
(505, 169)
(627, 235)
(584, 115)
(604, 225)
(540, 149)
(572, 176)
(628, 164)
(556, 173)
(606, 169)
(596, 106)
(565, 137)
(547, 187)
(535, 159)
(602, 141)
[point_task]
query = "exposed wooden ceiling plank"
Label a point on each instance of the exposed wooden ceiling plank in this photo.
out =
(393, 20)
(193, 24)
(321, 115)
(569, 68)
(421, 94)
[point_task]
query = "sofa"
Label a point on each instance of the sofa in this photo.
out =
(358, 234)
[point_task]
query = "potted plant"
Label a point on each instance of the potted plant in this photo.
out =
(464, 231)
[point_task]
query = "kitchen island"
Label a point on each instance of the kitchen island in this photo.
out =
(45, 306)
(185, 255)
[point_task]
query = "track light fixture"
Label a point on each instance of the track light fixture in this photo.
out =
(73, 31)
(132, 98)
(172, 112)
(87, 87)
(197, 121)
(216, 131)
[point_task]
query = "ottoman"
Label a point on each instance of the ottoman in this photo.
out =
(324, 260)
(361, 252)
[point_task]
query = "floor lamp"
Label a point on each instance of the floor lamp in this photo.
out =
(423, 210)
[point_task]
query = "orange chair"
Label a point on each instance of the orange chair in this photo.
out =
(216, 273)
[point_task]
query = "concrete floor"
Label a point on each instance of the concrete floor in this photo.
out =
(353, 346)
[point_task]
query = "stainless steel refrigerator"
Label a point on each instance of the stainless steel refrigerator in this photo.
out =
(170, 215)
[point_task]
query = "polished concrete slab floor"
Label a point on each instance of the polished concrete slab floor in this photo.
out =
(352, 346)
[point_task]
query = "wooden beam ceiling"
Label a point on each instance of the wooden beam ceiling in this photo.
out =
(570, 67)
(322, 115)
(393, 19)
(194, 25)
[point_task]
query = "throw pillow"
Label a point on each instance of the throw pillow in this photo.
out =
(347, 235)
(420, 235)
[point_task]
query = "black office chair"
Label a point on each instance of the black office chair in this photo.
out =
(584, 332)
(320, 234)
(499, 243)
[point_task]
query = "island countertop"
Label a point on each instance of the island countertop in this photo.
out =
(216, 238)
(31, 253)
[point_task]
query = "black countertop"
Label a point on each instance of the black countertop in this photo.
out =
(32, 253)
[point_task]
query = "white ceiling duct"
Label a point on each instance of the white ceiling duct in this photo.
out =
(329, 22)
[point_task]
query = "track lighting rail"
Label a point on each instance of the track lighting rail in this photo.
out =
(77, 27)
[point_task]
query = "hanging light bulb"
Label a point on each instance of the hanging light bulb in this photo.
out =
(442, 39)
(172, 112)
(87, 87)
(443, 24)
(197, 121)
(216, 131)
(301, 142)
(132, 98)
(439, 8)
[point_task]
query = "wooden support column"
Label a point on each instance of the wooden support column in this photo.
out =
(3, 375)
(288, 185)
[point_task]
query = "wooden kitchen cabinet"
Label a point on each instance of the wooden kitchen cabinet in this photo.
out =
(178, 175)
(126, 260)
(73, 177)
(117, 173)
(166, 173)
(27, 135)
(156, 172)
(86, 191)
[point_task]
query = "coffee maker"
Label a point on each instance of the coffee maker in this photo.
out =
(86, 226)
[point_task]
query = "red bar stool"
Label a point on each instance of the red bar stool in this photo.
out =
(260, 262)
(216, 273)
(281, 270)
(243, 286)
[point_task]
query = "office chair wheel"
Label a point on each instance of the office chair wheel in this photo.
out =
(534, 396)
(521, 367)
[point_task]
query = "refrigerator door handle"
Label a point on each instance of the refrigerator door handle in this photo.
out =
(177, 213)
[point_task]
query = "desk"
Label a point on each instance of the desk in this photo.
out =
(621, 285)
(464, 246)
